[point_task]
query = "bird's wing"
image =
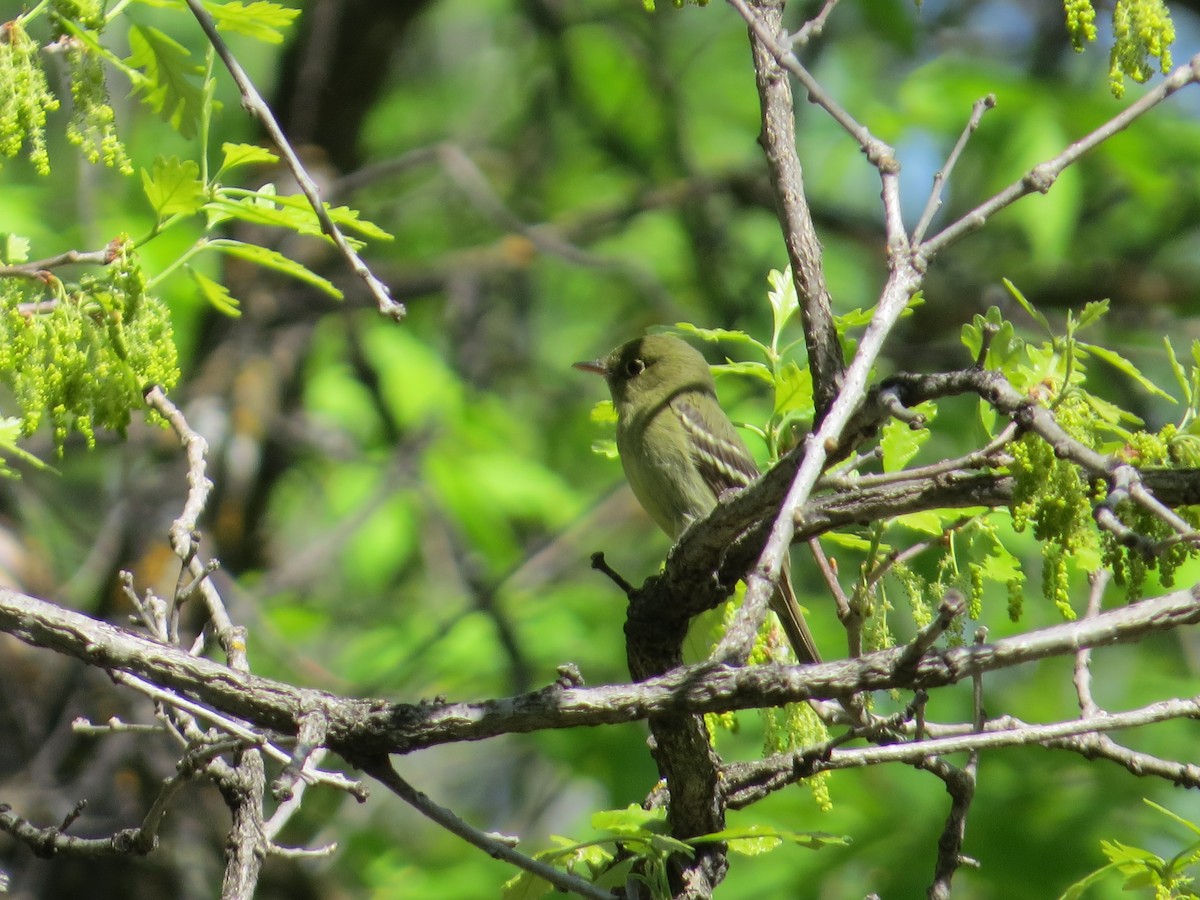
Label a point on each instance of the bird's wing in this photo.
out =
(722, 458)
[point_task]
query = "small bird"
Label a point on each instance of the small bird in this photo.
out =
(679, 449)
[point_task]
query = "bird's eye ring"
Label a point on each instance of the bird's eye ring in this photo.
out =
(634, 367)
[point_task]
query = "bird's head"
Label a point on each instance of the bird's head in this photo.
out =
(650, 370)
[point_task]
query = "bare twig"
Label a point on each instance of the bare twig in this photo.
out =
(1042, 177)
(814, 26)
(934, 203)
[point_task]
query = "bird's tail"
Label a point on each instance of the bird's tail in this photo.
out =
(784, 605)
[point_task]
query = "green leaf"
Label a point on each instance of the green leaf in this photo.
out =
(173, 186)
(259, 19)
(852, 541)
(1092, 312)
(1123, 365)
(1189, 825)
(665, 844)
(1075, 891)
(606, 447)
(1181, 378)
(900, 443)
(752, 369)
(615, 876)
(167, 87)
(755, 840)
(245, 155)
(292, 212)
(276, 261)
(782, 297)
(604, 413)
(525, 886)
(11, 431)
(1124, 854)
(216, 293)
(633, 820)
(1109, 413)
(1028, 307)
(793, 391)
(13, 248)
(718, 334)
(927, 522)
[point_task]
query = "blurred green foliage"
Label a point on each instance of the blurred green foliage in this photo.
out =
(418, 519)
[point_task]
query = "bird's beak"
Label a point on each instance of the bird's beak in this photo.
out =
(596, 366)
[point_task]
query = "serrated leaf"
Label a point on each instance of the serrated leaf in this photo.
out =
(782, 297)
(900, 443)
(631, 820)
(276, 261)
(927, 522)
(1028, 307)
(718, 334)
(216, 293)
(616, 875)
(751, 369)
(1185, 386)
(793, 391)
(525, 886)
(245, 155)
(292, 212)
(1123, 854)
(173, 186)
(754, 840)
(167, 86)
(13, 248)
(665, 844)
(1121, 364)
(1107, 412)
(259, 19)
(758, 839)
(856, 318)
(1001, 566)
(852, 541)
(11, 432)
(604, 413)
(1092, 311)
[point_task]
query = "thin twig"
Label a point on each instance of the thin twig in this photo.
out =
(1042, 177)
(494, 846)
(934, 203)
(814, 26)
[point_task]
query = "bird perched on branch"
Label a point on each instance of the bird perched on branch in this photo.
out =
(679, 449)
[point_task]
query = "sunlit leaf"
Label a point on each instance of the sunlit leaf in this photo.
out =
(173, 186)
(276, 261)
(245, 155)
(258, 19)
(1121, 364)
(216, 293)
(169, 86)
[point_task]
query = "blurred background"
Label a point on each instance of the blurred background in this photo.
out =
(407, 511)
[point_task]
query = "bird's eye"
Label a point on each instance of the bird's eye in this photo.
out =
(634, 367)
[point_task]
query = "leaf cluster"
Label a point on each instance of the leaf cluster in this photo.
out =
(635, 844)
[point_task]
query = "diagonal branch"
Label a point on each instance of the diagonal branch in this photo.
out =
(778, 140)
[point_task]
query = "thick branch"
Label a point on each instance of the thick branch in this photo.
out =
(372, 727)
(778, 140)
